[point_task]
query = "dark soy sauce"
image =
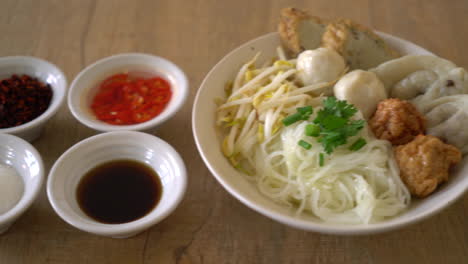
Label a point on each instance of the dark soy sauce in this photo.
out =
(119, 191)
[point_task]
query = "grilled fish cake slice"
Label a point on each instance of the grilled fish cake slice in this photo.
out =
(300, 31)
(360, 47)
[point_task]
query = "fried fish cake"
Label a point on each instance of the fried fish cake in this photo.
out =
(425, 163)
(397, 121)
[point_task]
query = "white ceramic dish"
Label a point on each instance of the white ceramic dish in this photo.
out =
(45, 72)
(25, 159)
(84, 87)
(87, 154)
(234, 182)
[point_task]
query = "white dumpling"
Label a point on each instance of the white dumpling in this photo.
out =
(422, 78)
(393, 71)
(447, 118)
(362, 89)
(453, 83)
(413, 85)
(320, 65)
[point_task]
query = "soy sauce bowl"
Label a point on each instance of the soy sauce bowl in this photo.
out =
(85, 86)
(70, 168)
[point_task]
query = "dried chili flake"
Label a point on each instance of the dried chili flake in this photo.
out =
(123, 100)
(22, 99)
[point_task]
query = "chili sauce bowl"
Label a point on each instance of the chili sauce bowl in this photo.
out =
(86, 85)
(27, 162)
(45, 72)
(76, 162)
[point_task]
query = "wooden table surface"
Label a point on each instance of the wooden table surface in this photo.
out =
(210, 226)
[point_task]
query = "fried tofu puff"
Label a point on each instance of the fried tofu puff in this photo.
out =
(397, 121)
(425, 163)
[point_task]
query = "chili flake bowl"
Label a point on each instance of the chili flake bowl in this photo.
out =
(45, 72)
(85, 86)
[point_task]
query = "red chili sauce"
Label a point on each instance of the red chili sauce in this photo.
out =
(126, 100)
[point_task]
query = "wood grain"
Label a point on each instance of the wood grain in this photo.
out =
(210, 226)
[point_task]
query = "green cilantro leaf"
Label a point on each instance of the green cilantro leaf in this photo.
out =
(353, 127)
(334, 123)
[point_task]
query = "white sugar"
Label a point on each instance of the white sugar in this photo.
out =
(11, 188)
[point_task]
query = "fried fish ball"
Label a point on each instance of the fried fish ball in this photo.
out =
(425, 163)
(397, 121)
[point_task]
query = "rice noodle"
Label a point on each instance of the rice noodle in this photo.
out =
(353, 187)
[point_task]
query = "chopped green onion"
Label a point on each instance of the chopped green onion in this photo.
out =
(321, 159)
(304, 144)
(289, 120)
(312, 130)
(305, 110)
(303, 113)
(358, 144)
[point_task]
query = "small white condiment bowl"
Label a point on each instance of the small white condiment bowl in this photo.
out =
(27, 162)
(85, 86)
(68, 170)
(45, 72)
